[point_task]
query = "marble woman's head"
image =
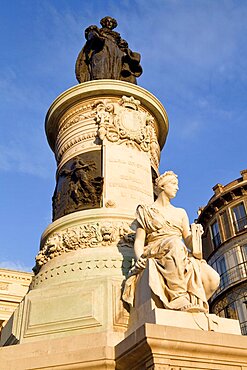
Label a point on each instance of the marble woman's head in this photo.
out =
(167, 179)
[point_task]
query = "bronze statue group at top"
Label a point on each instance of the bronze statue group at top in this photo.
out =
(106, 55)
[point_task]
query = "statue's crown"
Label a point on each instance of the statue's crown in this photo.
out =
(130, 102)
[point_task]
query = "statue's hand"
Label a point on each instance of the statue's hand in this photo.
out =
(141, 263)
(91, 32)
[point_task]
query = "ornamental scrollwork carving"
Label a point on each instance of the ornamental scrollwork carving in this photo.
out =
(124, 122)
(154, 148)
(98, 234)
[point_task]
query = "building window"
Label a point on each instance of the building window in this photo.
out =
(222, 270)
(225, 223)
(215, 234)
(244, 252)
(231, 312)
(233, 305)
(239, 217)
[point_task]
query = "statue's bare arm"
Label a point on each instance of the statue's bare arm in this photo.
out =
(187, 237)
(139, 248)
(139, 242)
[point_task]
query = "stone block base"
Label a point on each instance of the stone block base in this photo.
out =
(150, 313)
(76, 294)
(153, 347)
(157, 347)
(86, 351)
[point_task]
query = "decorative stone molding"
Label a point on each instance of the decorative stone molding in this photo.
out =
(19, 277)
(91, 235)
(88, 265)
(73, 108)
(71, 125)
(76, 116)
(13, 287)
(4, 286)
(70, 143)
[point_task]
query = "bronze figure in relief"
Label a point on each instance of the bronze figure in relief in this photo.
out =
(79, 185)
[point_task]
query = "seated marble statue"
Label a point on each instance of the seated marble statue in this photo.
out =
(163, 244)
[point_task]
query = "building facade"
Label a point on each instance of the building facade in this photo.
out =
(13, 287)
(224, 220)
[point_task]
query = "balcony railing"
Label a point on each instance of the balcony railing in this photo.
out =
(232, 276)
(240, 224)
(243, 326)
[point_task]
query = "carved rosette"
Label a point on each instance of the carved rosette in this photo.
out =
(91, 235)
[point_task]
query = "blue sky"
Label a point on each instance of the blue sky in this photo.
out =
(194, 55)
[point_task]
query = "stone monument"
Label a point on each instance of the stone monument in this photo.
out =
(107, 134)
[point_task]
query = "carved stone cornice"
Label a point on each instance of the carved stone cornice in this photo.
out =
(12, 276)
(99, 90)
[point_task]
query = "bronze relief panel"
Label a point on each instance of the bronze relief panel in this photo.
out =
(79, 185)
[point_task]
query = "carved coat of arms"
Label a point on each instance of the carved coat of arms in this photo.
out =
(123, 122)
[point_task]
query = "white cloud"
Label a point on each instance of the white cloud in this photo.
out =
(15, 265)
(22, 158)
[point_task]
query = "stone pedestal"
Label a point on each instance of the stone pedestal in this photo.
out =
(85, 351)
(149, 309)
(158, 347)
(106, 136)
(151, 346)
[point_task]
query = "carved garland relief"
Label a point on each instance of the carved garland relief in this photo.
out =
(85, 236)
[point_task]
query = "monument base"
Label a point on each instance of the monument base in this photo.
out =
(150, 347)
(84, 351)
(169, 348)
(75, 293)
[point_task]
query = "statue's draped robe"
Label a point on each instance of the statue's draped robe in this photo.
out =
(104, 57)
(172, 272)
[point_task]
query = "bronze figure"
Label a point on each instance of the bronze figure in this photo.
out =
(79, 185)
(106, 55)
